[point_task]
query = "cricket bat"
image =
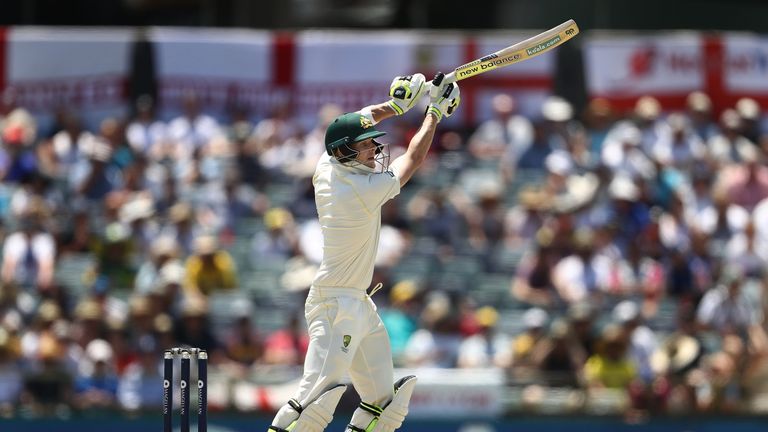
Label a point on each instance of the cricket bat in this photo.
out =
(521, 51)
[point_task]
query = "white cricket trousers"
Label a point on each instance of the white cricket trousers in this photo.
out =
(346, 335)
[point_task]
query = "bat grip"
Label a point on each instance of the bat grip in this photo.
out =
(447, 79)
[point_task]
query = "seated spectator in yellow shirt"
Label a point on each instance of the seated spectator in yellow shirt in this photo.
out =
(610, 367)
(210, 268)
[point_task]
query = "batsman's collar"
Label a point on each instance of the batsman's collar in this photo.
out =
(347, 129)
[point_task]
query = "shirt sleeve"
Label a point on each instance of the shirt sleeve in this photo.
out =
(376, 189)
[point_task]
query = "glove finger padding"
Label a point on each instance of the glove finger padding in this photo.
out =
(405, 92)
(445, 100)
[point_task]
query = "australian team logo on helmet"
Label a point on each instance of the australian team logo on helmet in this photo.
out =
(348, 129)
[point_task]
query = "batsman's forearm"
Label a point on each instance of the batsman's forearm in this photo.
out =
(380, 112)
(422, 140)
(407, 164)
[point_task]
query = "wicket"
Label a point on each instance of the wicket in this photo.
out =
(202, 388)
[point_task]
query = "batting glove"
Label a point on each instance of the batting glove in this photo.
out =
(443, 98)
(405, 92)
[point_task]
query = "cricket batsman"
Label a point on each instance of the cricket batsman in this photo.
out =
(352, 181)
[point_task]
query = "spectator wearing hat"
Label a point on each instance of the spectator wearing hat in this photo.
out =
(549, 135)
(164, 252)
(580, 276)
(115, 256)
(48, 386)
(720, 220)
(532, 282)
(727, 309)
(243, 344)
(489, 348)
(623, 155)
(610, 367)
(678, 144)
(18, 161)
(89, 322)
(599, 117)
(145, 133)
(524, 220)
(137, 387)
(288, 345)
(729, 145)
(436, 342)
(400, 318)
(698, 110)
(181, 226)
(646, 116)
(280, 239)
(746, 184)
(69, 144)
(94, 177)
(210, 268)
(28, 260)
(535, 321)
(558, 358)
(748, 251)
(642, 340)
(96, 384)
(194, 328)
(11, 383)
(504, 136)
(193, 129)
(751, 118)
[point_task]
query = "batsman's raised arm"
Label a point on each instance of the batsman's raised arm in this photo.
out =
(443, 101)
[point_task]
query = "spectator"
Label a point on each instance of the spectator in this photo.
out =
(578, 277)
(503, 137)
(487, 349)
(29, 253)
(18, 160)
(535, 321)
(96, 384)
(145, 134)
(729, 145)
(532, 282)
(164, 253)
(699, 113)
(194, 327)
(280, 239)
(436, 342)
(287, 346)
(210, 269)
(642, 340)
(243, 344)
(747, 183)
(558, 358)
(11, 383)
(137, 388)
(610, 367)
(726, 309)
(401, 317)
(48, 385)
(193, 129)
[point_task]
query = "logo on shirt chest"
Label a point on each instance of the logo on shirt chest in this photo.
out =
(345, 342)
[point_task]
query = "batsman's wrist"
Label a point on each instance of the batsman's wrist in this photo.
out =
(435, 111)
(396, 108)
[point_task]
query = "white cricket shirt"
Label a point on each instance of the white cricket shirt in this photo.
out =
(349, 201)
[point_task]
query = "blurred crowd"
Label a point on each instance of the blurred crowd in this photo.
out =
(596, 250)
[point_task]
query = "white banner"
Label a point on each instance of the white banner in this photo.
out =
(746, 63)
(638, 65)
(81, 68)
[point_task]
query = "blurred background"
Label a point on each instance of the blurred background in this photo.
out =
(585, 247)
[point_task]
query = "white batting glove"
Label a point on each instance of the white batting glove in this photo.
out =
(405, 92)
(443, 98)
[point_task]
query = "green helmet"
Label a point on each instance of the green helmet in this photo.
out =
(347, 129)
